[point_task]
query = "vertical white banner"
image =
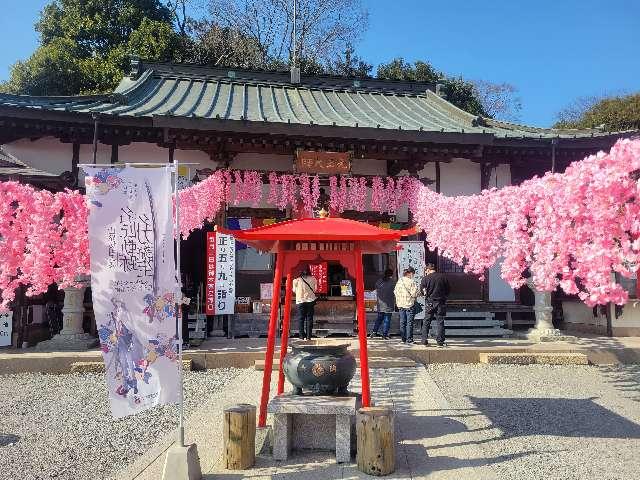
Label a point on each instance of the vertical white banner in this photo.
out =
(133, 282)
(225, 268)
(412, 254)
(6, 326)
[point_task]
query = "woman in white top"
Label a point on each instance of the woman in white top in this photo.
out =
(304, 286)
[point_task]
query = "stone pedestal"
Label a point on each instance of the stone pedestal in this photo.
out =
(543, 330)
(182, 463)
(72, 336)
(217, 328)
(312, 423)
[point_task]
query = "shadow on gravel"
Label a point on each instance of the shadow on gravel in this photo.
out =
(561, 417)
(624, 378)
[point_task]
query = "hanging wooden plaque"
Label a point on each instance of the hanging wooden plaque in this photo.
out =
(309, 161)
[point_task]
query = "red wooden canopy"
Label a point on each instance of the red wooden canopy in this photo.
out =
(309, 239)
(370, 238)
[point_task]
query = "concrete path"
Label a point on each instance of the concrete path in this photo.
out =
(203, 427)
(477, 422)
(433, 440)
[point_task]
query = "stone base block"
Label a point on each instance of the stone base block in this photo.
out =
(534, 358)
(98, 367)
(547, 335)
(67, 343)
(182, 463)
(312, 423)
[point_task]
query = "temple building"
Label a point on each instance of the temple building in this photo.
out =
(211, 118)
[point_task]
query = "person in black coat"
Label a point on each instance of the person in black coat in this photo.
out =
(436, 289)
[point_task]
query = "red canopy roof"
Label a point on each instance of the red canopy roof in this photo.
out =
(372, 239)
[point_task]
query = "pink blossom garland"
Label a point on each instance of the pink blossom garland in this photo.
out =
(273, 188)
(43, 239)
(202, 202)
(248, 187)
(338, 191)
(377, 195)
(570, 230)
(357, 198)
(288, 192)
(309, 194)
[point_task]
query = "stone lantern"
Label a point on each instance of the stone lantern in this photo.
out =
(72, 335)
(543, 330)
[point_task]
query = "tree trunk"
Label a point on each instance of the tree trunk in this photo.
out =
(375, 429)
(239, 437)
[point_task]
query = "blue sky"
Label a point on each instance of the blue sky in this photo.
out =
(552, 51)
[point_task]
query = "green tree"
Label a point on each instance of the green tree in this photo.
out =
(614, 113)
(85, 44)
(350, 65)
(457, 90)
(476, 97)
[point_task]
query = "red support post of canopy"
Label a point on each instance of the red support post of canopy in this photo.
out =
(362, 329)
(271, 340)
(284, 337)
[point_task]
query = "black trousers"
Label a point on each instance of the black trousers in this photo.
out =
(438, 315)
(305, 319)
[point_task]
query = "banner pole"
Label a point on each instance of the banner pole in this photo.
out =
(179, 306)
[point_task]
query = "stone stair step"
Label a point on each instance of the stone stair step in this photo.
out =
(475, 322)
(530, 358)
(478, 332)
(98, 367)
(374, 362)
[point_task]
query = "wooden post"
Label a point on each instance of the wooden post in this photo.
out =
(362, 329)
(239, 437)
(284, 337)
(271, 339)
(376, 454)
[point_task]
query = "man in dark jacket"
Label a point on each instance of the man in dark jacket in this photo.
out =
(435, 288)
(386, 304)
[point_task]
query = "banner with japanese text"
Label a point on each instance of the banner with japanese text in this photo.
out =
(6, 326)
(221, 274)
(412, 254)
(133, 283)
(320, 272)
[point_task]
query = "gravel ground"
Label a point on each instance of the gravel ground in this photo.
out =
(60, 426)
(548, 422)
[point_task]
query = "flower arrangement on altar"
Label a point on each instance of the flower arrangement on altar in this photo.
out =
(570, 230)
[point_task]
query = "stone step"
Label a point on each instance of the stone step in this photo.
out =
(475, 322)
(530, 358)
(478, 332)
(98, 367)
(374, 362)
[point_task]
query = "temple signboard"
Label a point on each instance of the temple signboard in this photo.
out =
(220, 297)
(331, 163)
(5, 328)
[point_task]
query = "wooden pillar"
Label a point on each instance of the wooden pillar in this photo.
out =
(114, 153)
(376, 450)
(284, 337)
(75, 159)
(271, 339)
(362, 329)
(239, 437)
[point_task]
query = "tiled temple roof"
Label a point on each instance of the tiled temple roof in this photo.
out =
(175, 91)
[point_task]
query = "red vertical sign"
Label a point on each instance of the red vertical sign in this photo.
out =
(210, 293)
(320, 271)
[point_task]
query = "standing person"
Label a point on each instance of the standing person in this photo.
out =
(305, 286)
(436, 289)
(406, 292)
(385, 303)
